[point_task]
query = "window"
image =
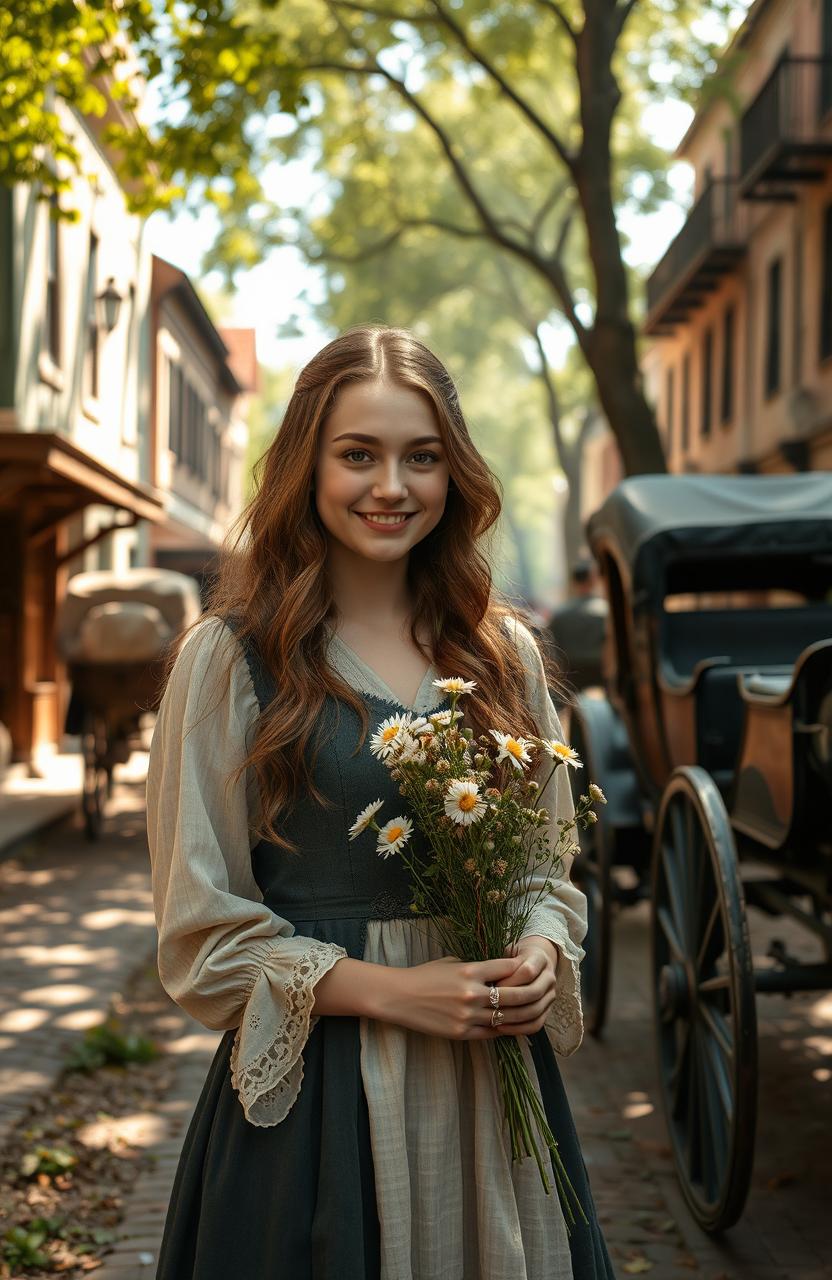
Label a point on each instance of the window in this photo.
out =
(175, 410)
(772, 369)
(707, 380)
(826, 287)
(686, 402)
(52, 330)
(669, 396)
(726, 411)
(91, 350)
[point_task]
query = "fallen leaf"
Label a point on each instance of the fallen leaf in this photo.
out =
(637, 1266)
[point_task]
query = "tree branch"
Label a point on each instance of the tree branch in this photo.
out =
(622, 13)
(381, 11)
(491, 224)
(562, 19)
(499, 79)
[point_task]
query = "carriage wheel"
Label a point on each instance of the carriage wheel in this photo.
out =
(95, 775)
(592, 872)
(704, 1007)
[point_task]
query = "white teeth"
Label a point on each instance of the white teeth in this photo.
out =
(385, 519)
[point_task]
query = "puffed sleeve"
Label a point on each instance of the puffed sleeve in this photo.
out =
(223, 954)
(561, 913)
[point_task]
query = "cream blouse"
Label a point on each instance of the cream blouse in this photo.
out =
(230, 962)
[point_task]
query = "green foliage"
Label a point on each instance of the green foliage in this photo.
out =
(22, 1247)
(107, 1044)
(51, 1160)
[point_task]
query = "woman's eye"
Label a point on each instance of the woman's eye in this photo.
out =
(424, 454)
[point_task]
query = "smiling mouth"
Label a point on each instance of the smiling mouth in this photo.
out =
(390, 519)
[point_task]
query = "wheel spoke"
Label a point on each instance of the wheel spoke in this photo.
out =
(709, 928)
(680, 1067)
(670, 860)
(720, 982)
(717, 1050)
(669, 930)
(691, 1119)
(718, 1027)
(711, 1131)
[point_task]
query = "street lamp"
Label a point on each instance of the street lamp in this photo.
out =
(109, 305)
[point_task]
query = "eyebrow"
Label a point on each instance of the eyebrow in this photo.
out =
(353, 435)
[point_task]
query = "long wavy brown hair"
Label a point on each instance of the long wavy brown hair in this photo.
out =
(273, 582)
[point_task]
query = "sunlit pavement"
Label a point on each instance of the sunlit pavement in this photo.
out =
(76, 919)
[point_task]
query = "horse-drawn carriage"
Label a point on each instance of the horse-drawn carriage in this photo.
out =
(114, 632)
(713, 744)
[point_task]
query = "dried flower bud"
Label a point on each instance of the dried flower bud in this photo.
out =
(442, 766)
(433, 784)
(489, 844)
(591, 816)
(493, 793)
(500, 867)
(495, 895)
(517, 839)
(470, 864)
(534, 786)
(596, 793)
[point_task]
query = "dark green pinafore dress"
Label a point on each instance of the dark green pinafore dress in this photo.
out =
(297, 1201)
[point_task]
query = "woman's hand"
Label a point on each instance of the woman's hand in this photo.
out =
(527, 995)
(447, 997)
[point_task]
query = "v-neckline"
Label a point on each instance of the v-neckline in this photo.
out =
(356, 657)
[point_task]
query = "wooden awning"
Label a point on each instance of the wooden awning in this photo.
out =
(51, 479)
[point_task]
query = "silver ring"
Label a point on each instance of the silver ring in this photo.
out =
(497, 1015)
(494, 997)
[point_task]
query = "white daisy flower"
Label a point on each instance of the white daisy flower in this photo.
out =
(455, 684)
(463, 802)
(561, 752)
(411, 749)
(362, 822)
(514, 749)
(444, 717)
(393, 835)
(384, 740)
(416, 724)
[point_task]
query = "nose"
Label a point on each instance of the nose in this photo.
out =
(390, 487)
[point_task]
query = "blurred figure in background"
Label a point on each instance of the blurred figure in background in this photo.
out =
(577, 629)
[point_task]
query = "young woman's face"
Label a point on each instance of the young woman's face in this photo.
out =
(380, 453)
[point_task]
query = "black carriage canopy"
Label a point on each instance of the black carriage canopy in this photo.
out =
(706, 532)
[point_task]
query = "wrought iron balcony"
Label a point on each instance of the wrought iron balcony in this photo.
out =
(713, 239)
(786, 132)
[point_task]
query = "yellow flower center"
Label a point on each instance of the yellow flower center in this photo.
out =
(513, 747)
(390, 732)
(393, 834)
(467, 801)
(562, 750)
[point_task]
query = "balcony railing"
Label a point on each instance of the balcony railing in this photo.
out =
(712, 240)
(787, 130)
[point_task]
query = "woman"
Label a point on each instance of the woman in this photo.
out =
(350, 1124)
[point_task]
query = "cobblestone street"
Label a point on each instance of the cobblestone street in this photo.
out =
(77, 919)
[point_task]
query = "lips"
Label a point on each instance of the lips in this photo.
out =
(366, 516)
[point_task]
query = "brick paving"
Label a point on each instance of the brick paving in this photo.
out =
(76, 919)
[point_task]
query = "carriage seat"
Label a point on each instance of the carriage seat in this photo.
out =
(753, 640)
(764, 684)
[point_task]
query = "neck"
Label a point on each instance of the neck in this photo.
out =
(363, 589)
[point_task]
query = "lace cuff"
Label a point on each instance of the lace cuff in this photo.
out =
(266, 1056)
(565, 1019)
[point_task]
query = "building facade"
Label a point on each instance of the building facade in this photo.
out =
(202, 379)
(739, 309)
(122, 421)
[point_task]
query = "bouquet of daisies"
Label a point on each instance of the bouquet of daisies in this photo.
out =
(486, 835)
